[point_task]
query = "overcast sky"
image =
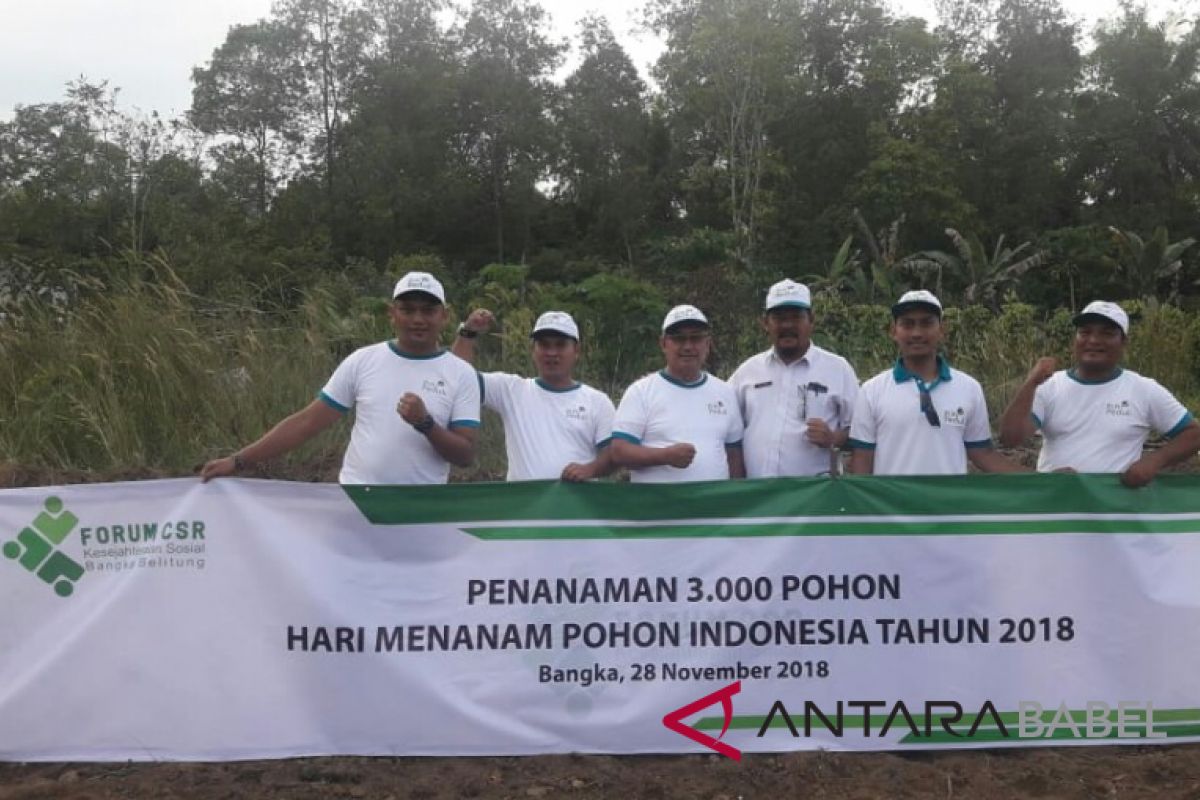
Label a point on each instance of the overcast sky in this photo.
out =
(149, 47)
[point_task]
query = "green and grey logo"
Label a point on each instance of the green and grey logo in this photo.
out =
(34, 548)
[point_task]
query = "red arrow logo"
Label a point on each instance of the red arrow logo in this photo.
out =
(674, 720)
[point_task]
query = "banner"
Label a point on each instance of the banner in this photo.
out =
(246, 619)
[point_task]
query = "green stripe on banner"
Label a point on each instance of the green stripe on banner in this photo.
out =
(1172, 722)
(556, 501)
(992, 734)
(755, 721)
(685, 531)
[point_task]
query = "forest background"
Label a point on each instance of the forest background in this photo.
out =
(170, 288)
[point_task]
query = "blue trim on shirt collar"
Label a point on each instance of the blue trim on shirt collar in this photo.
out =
(900, 374)
(1179, 426)
(541, 384)
(1116, 374)
(703, 379)
(413, 356)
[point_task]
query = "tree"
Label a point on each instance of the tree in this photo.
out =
(604, 171)
(722, 77)
(1137, 126)
(251, 91)
(504, 136)
(982, 277)
(331, 39)
(1145, 263)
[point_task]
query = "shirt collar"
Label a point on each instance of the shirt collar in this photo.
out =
(900, 374)
(698, 382)
(1116, 373)
(807, 358)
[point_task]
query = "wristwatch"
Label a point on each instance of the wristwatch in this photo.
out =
(425, 425)
(466, 332)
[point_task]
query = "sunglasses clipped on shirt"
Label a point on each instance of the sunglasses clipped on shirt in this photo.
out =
(931, 415)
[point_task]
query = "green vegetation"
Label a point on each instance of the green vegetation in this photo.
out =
(141, 373)
(168, 288)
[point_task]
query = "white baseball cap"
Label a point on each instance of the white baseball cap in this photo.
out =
(420, 282)
(556, 322)
(789, 293)
(1105, 310)
(681, 314)
(914, 299)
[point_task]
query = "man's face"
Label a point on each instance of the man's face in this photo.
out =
(418, 320)
(917, 332)
(1099, 345)
(789, 329)
(555, 356)
(685, 348)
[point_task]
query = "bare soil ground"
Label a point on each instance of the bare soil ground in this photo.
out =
(1062, 773)
(1083, 773)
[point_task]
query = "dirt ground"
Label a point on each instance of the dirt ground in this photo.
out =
(1083, 773)
(1094, 772)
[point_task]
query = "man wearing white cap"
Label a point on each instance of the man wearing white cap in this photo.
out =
(796, 398)
(680, 423)
(554, 426)
(922, 417)
(416, 406)
(1096, 416)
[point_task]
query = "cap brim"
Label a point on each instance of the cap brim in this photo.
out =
(552, 332)
(901, 308)
(676, 325)
(418, 291)
(790, 304)
(1092, 316)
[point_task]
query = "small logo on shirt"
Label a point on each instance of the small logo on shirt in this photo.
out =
(956, 417)
(434, 387)
(576, 413)
(1121, 409)
(718, 408)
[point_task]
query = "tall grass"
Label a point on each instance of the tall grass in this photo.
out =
(140, 374)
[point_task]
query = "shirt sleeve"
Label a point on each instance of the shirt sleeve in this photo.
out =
(497, 390)
(630, 420)
(464, 409)
(604, 413)
(978, 432)
(736, 430)
(1041, 402)
(340, 391)
(849, 396)
(735, 382)
(1168, 416)
(862, 426)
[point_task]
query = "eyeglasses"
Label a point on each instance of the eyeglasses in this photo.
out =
(931, 415)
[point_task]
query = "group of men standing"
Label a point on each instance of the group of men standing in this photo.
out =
(788, 411)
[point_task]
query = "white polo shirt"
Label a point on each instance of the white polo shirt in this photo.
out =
(1101, 426)
(545, 429)
(659, 411)
(888, 419)
(384, 449)
(776, 399)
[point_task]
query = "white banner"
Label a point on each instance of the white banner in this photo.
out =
(258, 619)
